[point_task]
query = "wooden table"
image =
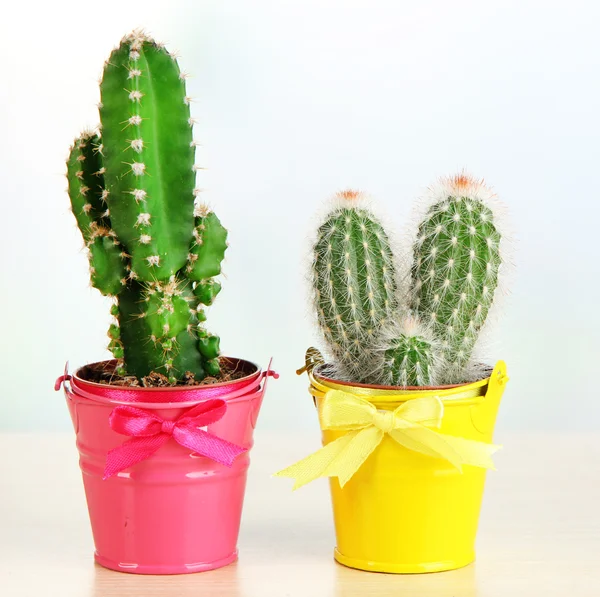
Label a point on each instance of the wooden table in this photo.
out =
(539, 533)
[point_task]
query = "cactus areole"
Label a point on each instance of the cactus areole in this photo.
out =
(152, 247)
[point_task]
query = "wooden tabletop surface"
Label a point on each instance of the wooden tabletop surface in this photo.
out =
(539, 532)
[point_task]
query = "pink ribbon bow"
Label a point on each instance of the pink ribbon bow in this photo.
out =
(150, 432)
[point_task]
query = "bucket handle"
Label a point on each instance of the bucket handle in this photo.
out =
(258, 396)
(65, 381)
(483, 415)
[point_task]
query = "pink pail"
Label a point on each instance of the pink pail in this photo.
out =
(175, 509)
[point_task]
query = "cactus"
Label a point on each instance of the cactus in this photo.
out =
(455, 267)
(353, 281)
(428, 336)
(408, 355)
(132, 192)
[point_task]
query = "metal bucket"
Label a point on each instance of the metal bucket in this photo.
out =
(404, 512)
(175, 511)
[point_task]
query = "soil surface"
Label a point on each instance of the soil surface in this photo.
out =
(327, 372)
(104, 373)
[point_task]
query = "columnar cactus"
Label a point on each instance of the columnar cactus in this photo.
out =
(455, 267)
(151, 246)
(354, 282)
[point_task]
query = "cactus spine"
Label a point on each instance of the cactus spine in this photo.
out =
(455, 267)
(132, 193)
(353, 280)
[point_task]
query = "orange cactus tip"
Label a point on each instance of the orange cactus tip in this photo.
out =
(349, 195)
(463, 181)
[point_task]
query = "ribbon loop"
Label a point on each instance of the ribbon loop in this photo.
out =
(411, 425)
(149, 432)
(338, 413)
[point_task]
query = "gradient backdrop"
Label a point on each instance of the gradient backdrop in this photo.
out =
(295, 101)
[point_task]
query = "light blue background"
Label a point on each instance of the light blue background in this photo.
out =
(295, 101)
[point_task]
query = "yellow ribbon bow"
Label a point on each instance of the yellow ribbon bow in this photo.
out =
(410, 425)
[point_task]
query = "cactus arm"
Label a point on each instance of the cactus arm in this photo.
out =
(204, 262)
(86, 191)
(107, 263)
(207, 291)
(208, 247)
(455, 271)
(114, 333)
(353, 282)
(189, 358)
(86, 184)
(149, 156)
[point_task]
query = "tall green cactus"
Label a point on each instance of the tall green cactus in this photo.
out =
(133, 195)
(455, 267)
(353, 281)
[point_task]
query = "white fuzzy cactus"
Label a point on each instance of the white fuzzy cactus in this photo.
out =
(456, 261)
(426, 334)
(354, 282)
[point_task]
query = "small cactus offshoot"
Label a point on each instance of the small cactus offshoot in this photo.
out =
(409, 355)
(427, 339)
(151, 245)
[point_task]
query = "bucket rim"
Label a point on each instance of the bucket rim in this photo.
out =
(455, 394)
(100, 391)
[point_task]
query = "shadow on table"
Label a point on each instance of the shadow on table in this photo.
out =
(454, 583)
(216, 583)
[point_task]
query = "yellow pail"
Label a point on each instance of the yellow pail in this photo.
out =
(405, 512)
